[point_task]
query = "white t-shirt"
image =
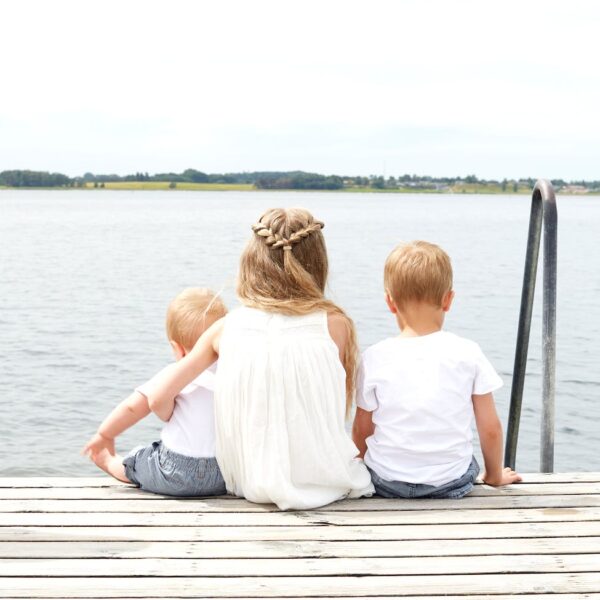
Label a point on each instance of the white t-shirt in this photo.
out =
(191, 429)
(419, 390)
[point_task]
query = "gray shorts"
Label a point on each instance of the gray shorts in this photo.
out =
(157, 469)
(454, 489)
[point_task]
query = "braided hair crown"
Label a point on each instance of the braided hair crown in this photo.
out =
(275, 239)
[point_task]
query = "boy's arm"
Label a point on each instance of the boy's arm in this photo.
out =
(123, 416)
(161, 398)
(362, 428)
(489, 429)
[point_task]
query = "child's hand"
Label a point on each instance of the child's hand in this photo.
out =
(96, 444)
(507, 477)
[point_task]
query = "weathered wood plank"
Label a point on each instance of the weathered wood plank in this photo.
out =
(126, 494)
(51, 482)
(554, 596)
(121, 491)
(242, 506)
(560, 477)
(301, 519)
(340, 533)
(559, 596)
(299, 567)
(103, 481)
(300, 549)
(195, 587)
(535, 489)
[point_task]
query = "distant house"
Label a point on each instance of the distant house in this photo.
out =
(574, 189)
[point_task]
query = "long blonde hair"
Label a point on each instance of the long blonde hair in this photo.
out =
(284, 269)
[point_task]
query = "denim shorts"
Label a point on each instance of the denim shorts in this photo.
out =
(454, 489)
(157, 469)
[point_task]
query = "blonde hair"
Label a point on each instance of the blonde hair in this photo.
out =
(418, 271)
(190, 313)
(284, 269)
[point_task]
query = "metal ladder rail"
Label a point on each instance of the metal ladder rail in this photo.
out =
(543, 211)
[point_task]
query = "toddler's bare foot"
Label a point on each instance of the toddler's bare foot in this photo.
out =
(111, 464)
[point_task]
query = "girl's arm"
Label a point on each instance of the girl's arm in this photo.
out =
(489, 429)
(162, 397)
(338, 330)
(123, 416)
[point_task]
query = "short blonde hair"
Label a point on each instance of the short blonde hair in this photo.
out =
(418, 272)
(190, 313)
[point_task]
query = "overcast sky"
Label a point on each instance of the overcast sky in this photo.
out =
(449, 87)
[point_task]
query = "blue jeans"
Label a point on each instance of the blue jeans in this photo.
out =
(157, 469)
(454, 489)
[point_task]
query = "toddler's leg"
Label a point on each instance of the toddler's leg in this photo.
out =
(111, 464)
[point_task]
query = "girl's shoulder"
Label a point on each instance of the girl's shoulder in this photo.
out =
(244, 314)
(257, 317)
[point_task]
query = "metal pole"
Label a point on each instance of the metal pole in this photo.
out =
(527, 293)
(548, 200)
(543, 209)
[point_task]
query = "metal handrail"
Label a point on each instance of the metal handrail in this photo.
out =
(543, 211)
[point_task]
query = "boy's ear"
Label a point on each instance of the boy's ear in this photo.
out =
(447, 300)
(390, 302)
(178, 350)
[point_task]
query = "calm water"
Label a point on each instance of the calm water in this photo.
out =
(86, 278)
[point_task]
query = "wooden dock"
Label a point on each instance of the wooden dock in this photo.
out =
(95, 538)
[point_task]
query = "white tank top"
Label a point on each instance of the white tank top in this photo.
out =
(280, 411)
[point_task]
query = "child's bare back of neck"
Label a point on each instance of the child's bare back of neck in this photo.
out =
(417, 318)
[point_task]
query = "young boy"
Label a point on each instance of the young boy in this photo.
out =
(183, 463)
(417, 393)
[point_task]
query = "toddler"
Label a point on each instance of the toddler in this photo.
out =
(417, 393)
(183, 462)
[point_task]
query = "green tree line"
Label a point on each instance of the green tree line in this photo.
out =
(277, 180)
(33, 179)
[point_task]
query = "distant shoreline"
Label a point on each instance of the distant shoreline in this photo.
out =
(477, 188)
(194, 180)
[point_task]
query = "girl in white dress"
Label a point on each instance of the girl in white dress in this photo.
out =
(285, 380)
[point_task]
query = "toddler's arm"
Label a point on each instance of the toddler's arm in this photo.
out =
(362, 428)
(206, 351)
(123, 416)
(489, 429)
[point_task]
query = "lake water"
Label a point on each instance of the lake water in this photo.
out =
(86, 277)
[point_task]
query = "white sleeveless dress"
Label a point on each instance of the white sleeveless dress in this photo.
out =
(280, 411)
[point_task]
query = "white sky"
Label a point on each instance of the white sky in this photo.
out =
(448, 87)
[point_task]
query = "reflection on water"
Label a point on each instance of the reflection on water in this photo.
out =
(86, 278)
